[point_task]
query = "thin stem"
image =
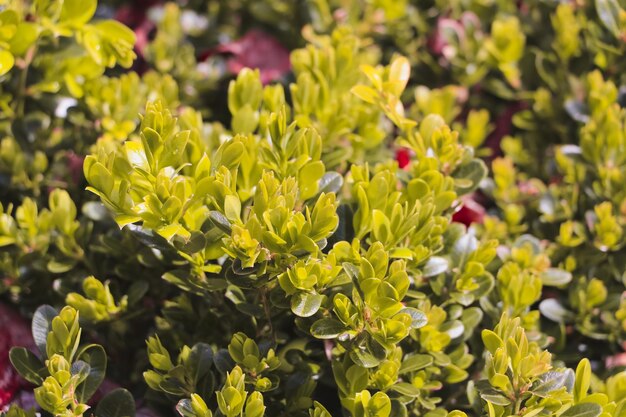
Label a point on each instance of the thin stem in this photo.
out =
(21, 91)
(518, 404)
(268, 316)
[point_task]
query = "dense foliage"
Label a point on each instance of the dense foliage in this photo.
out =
(364, 208)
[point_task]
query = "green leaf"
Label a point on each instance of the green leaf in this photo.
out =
(149, 238)
(472, 173)
(608, 12)
(495, 398)
(453, 328)
(221, 222)
(80, 368)
(553, 310)
(491, 340)
(42, 325)
(245, 120)
(117, 403)
(173, 387)
(471, 318)
(319, 410)
(331, 182)
(232, 207)
(548, 382)
(379, 405)
(401, 253)
(193, 407)
(583, 379)
(583, 410)
(77, 12)
(196, 243)
(26, 35)
(27, 365)
(306, 304)
(223, 361)
(365, 93)
(327, 328)
(490, 394)
(6, 62)
(399, 73)
(407, 389)
(199, 362)
(96, 358)
(462, 249)
(351, 270)
(436, 265)
(136, 291)
(415, 363)
(153, 379)
(364, 359)
(115, 31)
(61, 265)
(185, 408)
(418, 318)
(555, 277)
(124, 220)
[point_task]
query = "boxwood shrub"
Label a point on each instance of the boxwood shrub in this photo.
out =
(359, 208)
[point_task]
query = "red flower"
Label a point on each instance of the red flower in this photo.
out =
(403, 156)
(16, 332)
(470, 211)
(9, 381)
(257, 49)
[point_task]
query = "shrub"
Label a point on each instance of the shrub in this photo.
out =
(421, 215)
